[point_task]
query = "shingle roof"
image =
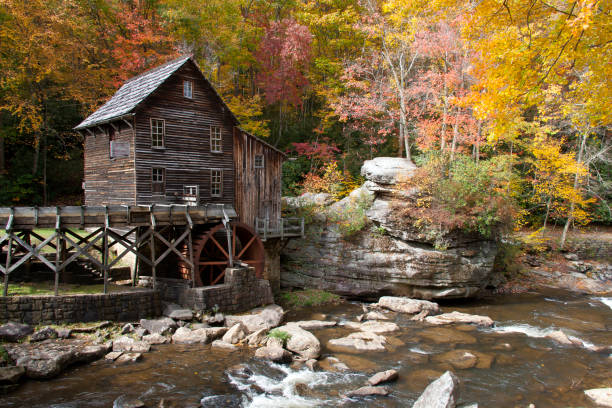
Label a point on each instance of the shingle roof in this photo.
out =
(134, 91)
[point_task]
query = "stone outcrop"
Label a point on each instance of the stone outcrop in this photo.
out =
(49, 359)
(398, 259)
(14, 331)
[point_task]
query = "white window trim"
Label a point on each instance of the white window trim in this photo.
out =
(190, 89)
(163, 145)
(220, 140)
(220, 185)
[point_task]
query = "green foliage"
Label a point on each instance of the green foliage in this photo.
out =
(19, 189)
(3, 354)
(308, 297)
(507, 259)
(352, 218)
(293, 173)
(279, 334)
(473, 196)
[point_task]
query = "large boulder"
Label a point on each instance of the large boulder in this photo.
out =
(163, 326)
(383, 376)
(125, 344)
(273, 353)
(14, 332)
(301, 342)
(266, 317)
(397, 257)
(600, 396)
(459, 317)
(235, 334)
(360, 341)
(373, 326)
(407, 305)
(185, 335)
(442, 393)
(177, 312)
(387, 170)
(11, 375)
(368, 391)
(49, 359)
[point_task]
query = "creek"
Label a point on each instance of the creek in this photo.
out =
(517, 364)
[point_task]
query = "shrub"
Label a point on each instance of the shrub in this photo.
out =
(279, 334)
(461, 194)
(308, 297)
(352, 218)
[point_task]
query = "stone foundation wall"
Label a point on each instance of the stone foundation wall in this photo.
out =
(241, 291)
(123, 306)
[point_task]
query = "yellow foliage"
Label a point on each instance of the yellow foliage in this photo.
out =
(249, 113)
(554, 181)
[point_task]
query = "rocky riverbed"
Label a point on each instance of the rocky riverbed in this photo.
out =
(504, 351)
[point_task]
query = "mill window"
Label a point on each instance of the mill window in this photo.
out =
(215, 139)
(158, 133)
(188, 89)
(259, 161)
(216, 183)
(158, 180)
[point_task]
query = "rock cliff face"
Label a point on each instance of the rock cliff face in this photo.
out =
(387, 256)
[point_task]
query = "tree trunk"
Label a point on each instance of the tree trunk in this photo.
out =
(455, 135)
(2, 163)
(547, 212)
(36, 153)
(570, 217)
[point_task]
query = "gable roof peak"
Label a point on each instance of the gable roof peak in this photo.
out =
(137, 89)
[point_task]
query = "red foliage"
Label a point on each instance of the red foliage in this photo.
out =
(284, 55)
(316, 150)
(140, 41)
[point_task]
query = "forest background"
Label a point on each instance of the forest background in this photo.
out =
(504, 105)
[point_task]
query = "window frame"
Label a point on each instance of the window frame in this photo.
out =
(262, 165)
(163, 134)
(190, 87)
(212, 183)
(161, 183)
(220, 139)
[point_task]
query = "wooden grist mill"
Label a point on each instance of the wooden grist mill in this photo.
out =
(168, 176)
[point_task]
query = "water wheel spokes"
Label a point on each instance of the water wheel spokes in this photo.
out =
(212, 252)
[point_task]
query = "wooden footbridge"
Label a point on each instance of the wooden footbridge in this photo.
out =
(204, 239)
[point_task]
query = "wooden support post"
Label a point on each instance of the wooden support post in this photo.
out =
(105, 259)
(135, 270)
(8, 264)
(190, 249)
(190, 245)
(282, 228)
(58, 260)
(154, 264)
(302, 227)
(152, 244)
(58, 250)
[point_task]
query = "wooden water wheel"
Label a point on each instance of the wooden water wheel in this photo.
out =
(211, 253)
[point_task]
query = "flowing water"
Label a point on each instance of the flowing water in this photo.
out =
(517, 365)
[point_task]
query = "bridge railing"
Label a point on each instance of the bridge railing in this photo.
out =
(279, 227)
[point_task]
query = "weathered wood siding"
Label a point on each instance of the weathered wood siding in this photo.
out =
(186, 157)
(258, 190)
(108, 181)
